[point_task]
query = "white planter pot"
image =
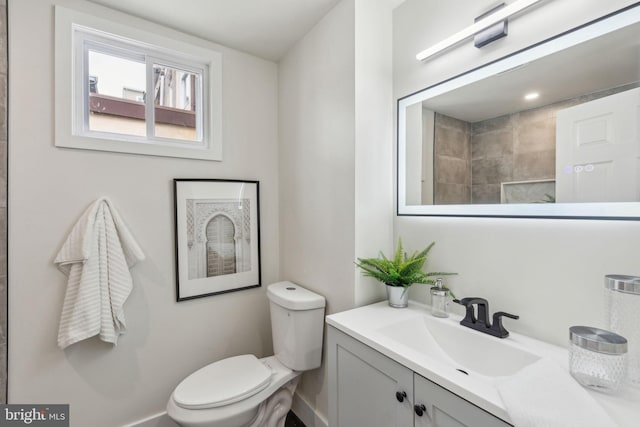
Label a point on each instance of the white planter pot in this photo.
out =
(398, 297)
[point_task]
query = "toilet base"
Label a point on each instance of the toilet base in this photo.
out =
(268, 408)
(273, 412)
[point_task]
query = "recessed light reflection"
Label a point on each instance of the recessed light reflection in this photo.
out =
(531, 96)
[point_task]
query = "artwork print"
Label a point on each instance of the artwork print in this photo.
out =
(217, 236)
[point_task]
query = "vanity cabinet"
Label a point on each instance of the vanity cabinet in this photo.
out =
(368, 389)
(445, 409)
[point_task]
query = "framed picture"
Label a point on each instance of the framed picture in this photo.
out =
(217, 234)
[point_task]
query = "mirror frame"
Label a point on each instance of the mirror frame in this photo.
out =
(609, 211)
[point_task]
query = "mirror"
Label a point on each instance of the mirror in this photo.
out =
(550, 131)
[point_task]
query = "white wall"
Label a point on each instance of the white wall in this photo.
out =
(374, 130)
(317, 110)
(335, 160)
(550, 272)
(317, 157)
(414, 140)
(49, 188)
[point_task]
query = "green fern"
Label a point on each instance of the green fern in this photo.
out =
(403, 270)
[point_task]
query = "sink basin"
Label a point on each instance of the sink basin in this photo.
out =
(466, 350)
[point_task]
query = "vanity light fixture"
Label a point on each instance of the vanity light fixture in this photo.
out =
(482, 24)
(531, 96)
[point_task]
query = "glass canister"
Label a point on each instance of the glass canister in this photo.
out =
(597, 358)
(439, 299)
(623, 316)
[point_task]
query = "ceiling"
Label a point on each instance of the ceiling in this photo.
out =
(265, 28)
(606, 62)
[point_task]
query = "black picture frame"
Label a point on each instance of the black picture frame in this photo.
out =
(217, 236)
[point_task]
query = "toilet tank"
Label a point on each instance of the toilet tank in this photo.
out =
(297, 323)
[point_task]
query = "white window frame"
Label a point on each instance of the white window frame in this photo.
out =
(75, 32)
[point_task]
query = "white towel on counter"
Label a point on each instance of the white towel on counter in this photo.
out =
(545, 395)
(96, 256)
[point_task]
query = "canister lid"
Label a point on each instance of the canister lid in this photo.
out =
(597, 340)
(620, 283)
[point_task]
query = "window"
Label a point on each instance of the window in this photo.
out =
(119, 88)
(113, 100)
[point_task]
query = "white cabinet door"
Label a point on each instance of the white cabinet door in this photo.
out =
(366, 388)
(445, 409)
(598, 150)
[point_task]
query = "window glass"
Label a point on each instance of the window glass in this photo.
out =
(117, 89)
(176, 109)
(117, 103)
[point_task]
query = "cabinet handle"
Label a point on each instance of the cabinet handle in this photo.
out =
(400, 395)
(420, 410)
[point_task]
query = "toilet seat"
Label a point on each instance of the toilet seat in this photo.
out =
(223, 382)
(241, 412)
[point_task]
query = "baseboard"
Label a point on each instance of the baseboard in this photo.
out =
(307, 413)
(160, 419)
(300, 407)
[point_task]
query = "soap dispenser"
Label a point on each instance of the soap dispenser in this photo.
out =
(439, 299)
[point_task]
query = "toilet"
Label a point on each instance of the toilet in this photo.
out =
(244, 391)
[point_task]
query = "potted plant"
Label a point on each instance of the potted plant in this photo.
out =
(399, 272)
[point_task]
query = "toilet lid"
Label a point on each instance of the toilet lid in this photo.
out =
(223, 383)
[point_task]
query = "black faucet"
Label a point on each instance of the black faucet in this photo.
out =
(481, 322)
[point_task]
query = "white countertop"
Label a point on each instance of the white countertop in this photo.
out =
(365, 324)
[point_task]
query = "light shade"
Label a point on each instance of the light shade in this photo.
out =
(484, 23)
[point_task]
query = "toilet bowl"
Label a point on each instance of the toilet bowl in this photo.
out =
(244, 391)
(243, 410)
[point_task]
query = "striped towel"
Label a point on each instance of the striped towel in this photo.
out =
(96, 256)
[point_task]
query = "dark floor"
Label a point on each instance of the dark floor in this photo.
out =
(293, 421)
